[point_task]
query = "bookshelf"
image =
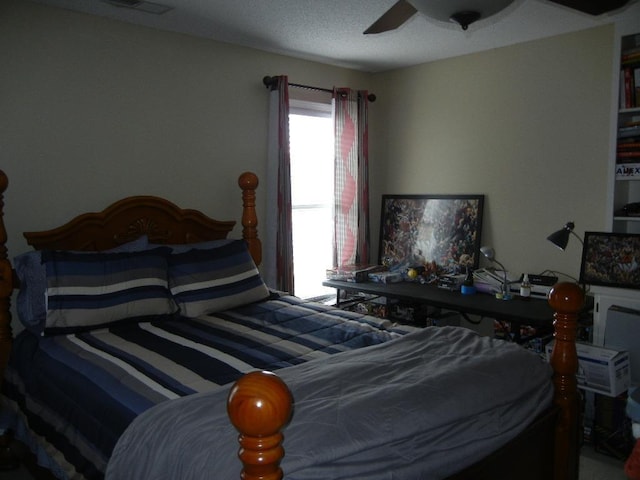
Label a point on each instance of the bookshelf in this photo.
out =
(626, 217)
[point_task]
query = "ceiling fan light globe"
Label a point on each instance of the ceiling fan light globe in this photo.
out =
(464, 19)
(444, 10)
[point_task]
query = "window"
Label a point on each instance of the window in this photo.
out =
(311, 144)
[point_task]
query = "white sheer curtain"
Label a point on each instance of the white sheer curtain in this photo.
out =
(351, 212)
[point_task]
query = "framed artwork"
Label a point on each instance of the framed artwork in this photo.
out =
(440, 230)
(611, 259)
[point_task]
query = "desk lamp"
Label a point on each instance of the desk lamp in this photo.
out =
(490, 253)
(561, 238)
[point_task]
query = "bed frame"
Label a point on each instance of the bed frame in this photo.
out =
(260, 404)
(162, 221)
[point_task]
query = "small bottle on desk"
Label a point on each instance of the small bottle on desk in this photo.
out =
(525, 286)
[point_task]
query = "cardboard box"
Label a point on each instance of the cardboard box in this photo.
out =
(612, 434)
(601, 370)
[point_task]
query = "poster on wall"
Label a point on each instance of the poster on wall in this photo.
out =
(440, 230)
(611, 259)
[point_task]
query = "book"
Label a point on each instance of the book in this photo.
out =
(630, 57)
(633, 131)
(636, 86)
(352, 273)
(628, 146)
(628, 87)
(626, 171)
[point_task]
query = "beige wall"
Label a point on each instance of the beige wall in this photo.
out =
(526, 125)
(93, 110)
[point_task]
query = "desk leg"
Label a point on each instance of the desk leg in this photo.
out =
(516, 332)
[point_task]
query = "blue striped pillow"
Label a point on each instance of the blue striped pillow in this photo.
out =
(215, 279)
(92, 290)
(32, 274)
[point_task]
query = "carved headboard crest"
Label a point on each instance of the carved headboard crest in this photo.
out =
(144, 226)
(127, 219)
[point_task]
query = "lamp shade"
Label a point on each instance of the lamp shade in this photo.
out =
(488, 252)
(444, 10)
(561, 238)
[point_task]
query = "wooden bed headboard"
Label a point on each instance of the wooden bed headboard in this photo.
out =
(162, 221)
(124, 221)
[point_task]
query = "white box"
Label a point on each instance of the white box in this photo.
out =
(537, 291)
(385, 277)
(600, 370)
(622, 332)
(627, 171)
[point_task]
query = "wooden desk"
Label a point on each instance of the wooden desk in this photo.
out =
(532, 311)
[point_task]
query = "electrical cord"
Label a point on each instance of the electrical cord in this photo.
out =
(584, 287)
(468, 319)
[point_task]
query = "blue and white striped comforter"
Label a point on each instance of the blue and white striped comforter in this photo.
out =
(77, 393)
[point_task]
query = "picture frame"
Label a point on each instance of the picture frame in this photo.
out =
(421, 230)
(611, 259)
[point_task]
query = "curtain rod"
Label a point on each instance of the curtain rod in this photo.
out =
(269, 82)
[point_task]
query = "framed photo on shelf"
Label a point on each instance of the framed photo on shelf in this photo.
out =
(611, 259)
(418, 230)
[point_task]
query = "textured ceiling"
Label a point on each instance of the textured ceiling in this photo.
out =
(330, 31)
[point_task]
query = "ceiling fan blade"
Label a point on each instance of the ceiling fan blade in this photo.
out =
(393, 18)
(592, 7)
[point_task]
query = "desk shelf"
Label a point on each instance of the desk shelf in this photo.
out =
(436, 306)
(531, 311)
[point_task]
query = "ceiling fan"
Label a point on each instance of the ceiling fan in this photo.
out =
(465, 12)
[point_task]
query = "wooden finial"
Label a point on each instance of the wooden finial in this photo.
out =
(567, 300)
(248, 182)
(4, 183)
(260, 406)
(6, 284)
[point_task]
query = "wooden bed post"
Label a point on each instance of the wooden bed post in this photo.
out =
(6, 285)
(567, 300)
(248, 182)
(260, 406)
